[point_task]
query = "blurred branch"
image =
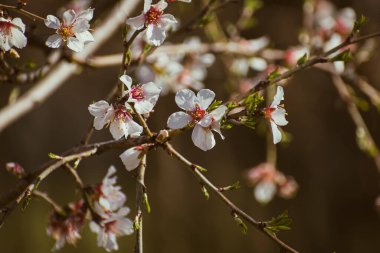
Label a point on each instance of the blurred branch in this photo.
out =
(22, 11)
(195, 171)
(64, 70)
(140, 191)
(44, 196)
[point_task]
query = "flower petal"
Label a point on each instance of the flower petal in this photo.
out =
(52, 22)
(18, 22)
(205, 98)
(185, 99)
(278, 116)
(75, 44)
(161, 5)
(81, 25)
(54, 41)
(127, 80)
(118, 129)
(143, 106)
(130, 158)
(155, 34)
(18, 39)
(147, 5)
(85, 37)
(167, 19)
(178, 120)
(68, 17)
(203, 138)
(134, 129)
(276, 133)
(278, 97)
(219, 112)
(86, 14)
(265, 191)
(137, 22)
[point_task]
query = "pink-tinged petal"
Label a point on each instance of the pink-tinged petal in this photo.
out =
(143, 106)
(134, 129)
(86, 14)
(85, 36)
(127, 80)
(278, 116)
(206, 121)
(155, 34)
(219, 112)
(137, 22)
(111, 243)
(151, 89)
(203, 138)
(265, 191)
(118, 129)
(205, 98)
(81, 25)
(54, 41)
(18, 22)
(147, 5)
(185, 99)
(278, 97)
(130, 158)
(276, 133)
(75, 44)
(4, 43)
(18, 39)
(167, 19)
(68, 17)
(99, 108)
(161, 5)
(52, 22)
(124, 227)
(178, 120)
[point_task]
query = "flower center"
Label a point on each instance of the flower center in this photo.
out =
(121, 113)
(137, 92)
(268, 112)
(153, 16)
(65, 32)
(197, 114)
(5, 27)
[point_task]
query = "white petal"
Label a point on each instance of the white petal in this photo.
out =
(81, 25)
(94, 227)
(124, 227)
(54, 41)
(278, 97)
(143, 106)
(18, 22)
(216, 127)
(134, 129)
(118, 129)
(219, 112)
(137, 22)
(111, 243)
(52, 22)
(151, 89)
(265, 191)
(205, 98)
(206, 120)
(161, 5)
(203, 138)
(127, 80)
(258, 64)
(178, 120)
(99, 108)
(278, 116)
(4, 43)
(75, 44)
(167, 19)
(86, 14)
(275, 133)
(68, 17)
(155, 34)
(85, 36)
(147, 5)
(130, 158)
(185, 99)
(18, 39)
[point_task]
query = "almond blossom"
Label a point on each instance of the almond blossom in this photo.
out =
(131, 158)
(154, 20)
(112, 226)
(276, 115)
(117, 116)
(143, 96)
(73, 30)
(12, 33)
(196, 114)
(107, 195)
(65, 227)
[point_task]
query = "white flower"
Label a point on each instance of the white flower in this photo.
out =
(143, 96)
(276, 115)
(108, 196)
(73, 30)
(265, 191)
(121, 122)
(196, 113)
(154, 20)
(115, 225)
(131, 158)
(12, 34)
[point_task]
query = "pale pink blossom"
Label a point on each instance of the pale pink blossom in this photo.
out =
(112, 226)
(144, 97)
(117, 116)
(131, 158)
(196, 113)
(15, 169)
(73, 30)
(154, 20)
(12, 33)
(292, 55)
(275, 114)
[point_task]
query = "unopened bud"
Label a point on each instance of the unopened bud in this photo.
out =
(14, 54)
(15, 169)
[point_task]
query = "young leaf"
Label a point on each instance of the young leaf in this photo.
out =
(241, 223)
(280, 223)
(302, 60)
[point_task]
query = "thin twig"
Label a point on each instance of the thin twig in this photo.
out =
(44, 196)
(24, 12)
(140, 191)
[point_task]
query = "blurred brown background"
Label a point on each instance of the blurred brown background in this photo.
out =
(333, 211)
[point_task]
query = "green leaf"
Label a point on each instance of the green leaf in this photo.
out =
(344, 56)
(146, 203)
(359, 23)
(205, 192)
(273, 75)
(280, 223)
(200, 168)
(302, 60)
(214, 105)
(240, 222)
(54, 156)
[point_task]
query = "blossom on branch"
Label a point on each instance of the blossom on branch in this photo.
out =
(154, 20)
(12, 33)
(143, 96)
(73, 30)
(117, 116)
(197, 114)
(131, 158)
(275, 113)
